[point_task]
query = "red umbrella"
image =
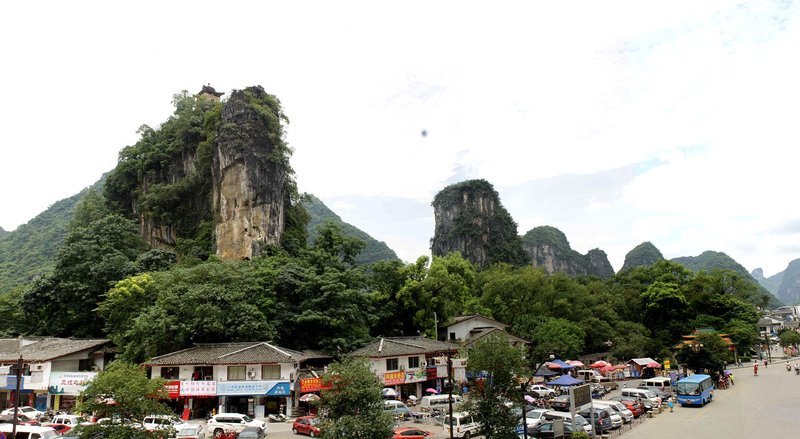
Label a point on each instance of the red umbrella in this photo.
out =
(653, 365)
(431, 390)
(599, 364)
(620, 366)
(575, 363)
(606, 369)
(553, 366)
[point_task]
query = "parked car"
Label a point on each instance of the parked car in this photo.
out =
(61, 429)
(250, 433)
(542, 391)
(600, 417)
(193, 431)
(644, 402)
(663, 394)
(532, 419)
(26, 409)
(163, 422)
(236, 422)
(462, 424)
(561, 403)
(566, 417)
(71, 420)
(118, 421)
(22, 419)
(410, 433)
(545, 430)
(29, 432)
(308, 425)
(397, 408)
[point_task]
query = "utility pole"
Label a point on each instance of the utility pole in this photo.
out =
(450, 390)
(16, 398)
(769, 348)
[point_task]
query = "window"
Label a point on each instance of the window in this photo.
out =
(170, 373)
(413, 362)
(392, 364)
(202, 373)
(236, 373)
(452, 336)
(85, 365)
(271, 372)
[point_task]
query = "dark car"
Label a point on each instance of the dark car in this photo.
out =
(545, 430)
(308, 425)
(251, 433)
(601, 417)
(560, 403)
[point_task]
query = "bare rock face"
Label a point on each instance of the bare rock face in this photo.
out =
(549, 248)
(471, 220)
(251, 175)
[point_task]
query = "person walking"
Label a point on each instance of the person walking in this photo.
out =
(765, 362)
(730, 377)
(669, 403)
(755, 369)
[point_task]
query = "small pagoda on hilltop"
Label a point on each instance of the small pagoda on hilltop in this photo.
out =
(209, 92)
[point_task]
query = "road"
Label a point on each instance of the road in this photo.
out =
(766, 406)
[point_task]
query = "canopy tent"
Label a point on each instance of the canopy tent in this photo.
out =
(576, 363)
(543, 371)
(599, 364)
(565, 380)
(653, 365)
(558, 364)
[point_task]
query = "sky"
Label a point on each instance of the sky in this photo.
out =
(617, 122)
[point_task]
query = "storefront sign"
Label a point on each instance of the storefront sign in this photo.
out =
(69, 383)
(414, 377)
(198, 388)
(173, 389)
(11, 382)
(308, 385)
(393, 378)
(270, 388)
(432, 373)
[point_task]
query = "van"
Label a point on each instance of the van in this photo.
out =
(430, 403)
(643, 394)
(397, 408)
(565, 416)
(591, 376)
(662, 383)
(462, 424)
(618, 407)
(29, 432)
(601, 416)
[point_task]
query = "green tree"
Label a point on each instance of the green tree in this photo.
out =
(352, 407)
(708, 353)
(13, 322)
(788, 337)
(502, 364)
(557, 336)
(122, 391)
(744, 334)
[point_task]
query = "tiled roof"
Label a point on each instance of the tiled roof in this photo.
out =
(46, 349)
(478, 333)
(464, 318)
(233, 353)
(396, 346)
(642, 361)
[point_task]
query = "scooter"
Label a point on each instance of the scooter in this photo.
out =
(788, 367)
(277, 417)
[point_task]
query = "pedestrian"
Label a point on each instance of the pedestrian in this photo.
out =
(765, 362)
(730, 377)
(669, 403)
(755, 369)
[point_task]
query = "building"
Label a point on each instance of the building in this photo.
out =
(769, 326)
(254, 378)
(469, 329)
(55, 370)
(208, 92)
(410, 365)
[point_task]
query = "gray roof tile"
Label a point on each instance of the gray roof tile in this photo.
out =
(46, 349)
(396, 346)
(233, 353)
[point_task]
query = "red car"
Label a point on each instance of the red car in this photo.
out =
(634, 406)
(59, 428)
(22, 419)
(308, 425)
(410, 433)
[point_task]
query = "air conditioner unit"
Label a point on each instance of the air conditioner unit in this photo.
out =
(37, 367)
(208, 378)
(251, 374)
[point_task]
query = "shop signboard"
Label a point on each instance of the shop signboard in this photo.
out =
(173, 389)
(308, 385)
(198, 388)
(416, 376)
(69, 383)
(432, 373)
(394, 378)
(249, 388)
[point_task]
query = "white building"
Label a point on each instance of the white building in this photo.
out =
(469, 329)
(55, 370)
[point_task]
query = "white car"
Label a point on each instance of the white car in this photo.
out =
(163, 422)
(71, 420)
(26, 410)
(225, 422)
(542, 391)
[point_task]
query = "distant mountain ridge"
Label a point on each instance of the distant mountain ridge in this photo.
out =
(789, 288)
(771, 283)
(644, 254)
(3, 233)
(373, 252)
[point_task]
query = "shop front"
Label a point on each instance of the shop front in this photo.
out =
(254, 398)
(201, 396)
(65, 387)
(26, 396)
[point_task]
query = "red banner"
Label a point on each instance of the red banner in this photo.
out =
(308, 385)
(432, 373)
(173, 389)
(393, 378)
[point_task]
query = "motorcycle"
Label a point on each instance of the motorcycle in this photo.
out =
(277, 417)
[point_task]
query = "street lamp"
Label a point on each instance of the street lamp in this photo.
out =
(524, 388)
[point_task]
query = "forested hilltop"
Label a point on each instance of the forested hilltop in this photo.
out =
(143, 262)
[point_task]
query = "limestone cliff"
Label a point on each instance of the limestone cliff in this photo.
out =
(471, 220)
(789, 289)
(252, 178)
(549, 248)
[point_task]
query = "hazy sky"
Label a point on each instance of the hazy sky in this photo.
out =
(617, 122)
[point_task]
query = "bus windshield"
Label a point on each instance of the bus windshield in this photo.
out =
(687, 388)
